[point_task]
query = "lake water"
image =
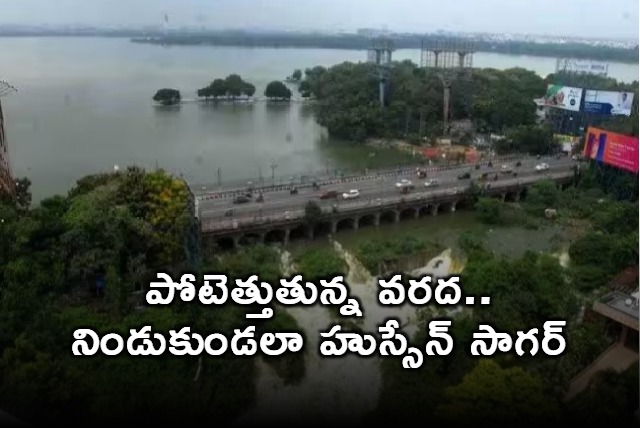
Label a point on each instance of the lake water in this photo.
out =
(84, 105)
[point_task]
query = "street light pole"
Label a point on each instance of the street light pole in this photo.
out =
(273, 171)
(219, 178)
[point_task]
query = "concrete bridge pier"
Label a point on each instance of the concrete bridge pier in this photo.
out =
(287, 235)
(397, 217)
(452, 207)
(310, 234)
(416, 213)
(503, 197)
(376, 220)
(334, 227)
(434, 209)
(516, 196)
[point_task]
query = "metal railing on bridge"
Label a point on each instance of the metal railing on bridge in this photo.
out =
(304, 181)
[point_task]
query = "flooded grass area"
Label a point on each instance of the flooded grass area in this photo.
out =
(445, 229)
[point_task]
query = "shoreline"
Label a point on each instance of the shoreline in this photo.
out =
(358, 47)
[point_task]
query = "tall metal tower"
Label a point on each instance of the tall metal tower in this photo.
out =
(7, 182)
(379, 53)
(450, 58)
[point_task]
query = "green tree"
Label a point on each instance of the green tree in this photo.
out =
(249, 90)
(235, 85)
(490, 394)
(531, 139)
(490, 211)
(219, 88)
(205, 92)
(297, 75)
(167, 96)
(312, 213)
(321, 264)
(305, 89)
(278, 90)
(22, 196)
(542, 195)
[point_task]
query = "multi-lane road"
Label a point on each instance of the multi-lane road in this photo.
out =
(211, 224)
(371, 189)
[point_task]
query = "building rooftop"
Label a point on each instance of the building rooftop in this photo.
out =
(620, 307)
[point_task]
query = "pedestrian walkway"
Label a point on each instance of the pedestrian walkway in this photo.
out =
(617, 357)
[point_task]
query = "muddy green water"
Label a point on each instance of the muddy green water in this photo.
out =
(446, 228)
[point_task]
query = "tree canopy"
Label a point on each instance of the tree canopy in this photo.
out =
(167, 96)
(233, 86)
(348, 102)
(277, 90)
(490, 394)
(495, 101)
(296, 75)
(120, 229)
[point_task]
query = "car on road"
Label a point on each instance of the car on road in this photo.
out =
(351, 194)
(432, 183)
(542, 167)
(404, 183)
(242, 199)
(330, 194)
(506, 169)
(464, 176)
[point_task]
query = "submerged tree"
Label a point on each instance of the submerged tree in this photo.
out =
(167, 96)
(277, 90)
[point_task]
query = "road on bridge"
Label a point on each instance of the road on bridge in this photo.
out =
(278, 203)
(452, 189)
(305, 179)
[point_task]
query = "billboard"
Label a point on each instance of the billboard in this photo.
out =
(608, 103)
(618, 150)
(563, 97)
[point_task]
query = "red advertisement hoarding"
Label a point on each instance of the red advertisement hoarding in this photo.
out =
(471, 156)
(618, 150)
(430, 152)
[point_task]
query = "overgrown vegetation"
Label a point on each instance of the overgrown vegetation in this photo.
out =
(382, 256)
(525, 292)
(495, 101)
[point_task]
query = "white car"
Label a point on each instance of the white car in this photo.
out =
(351, 194)
(431, 183)
(404, 183)
(505, 169)
(542, 167)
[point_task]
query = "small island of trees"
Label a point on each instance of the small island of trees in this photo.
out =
(167, 96)
(232, 87)
(277, 91)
